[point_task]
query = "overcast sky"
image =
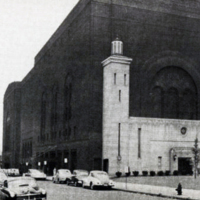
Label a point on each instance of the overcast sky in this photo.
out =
(25, 26)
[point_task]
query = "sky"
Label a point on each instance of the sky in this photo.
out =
(25, 26)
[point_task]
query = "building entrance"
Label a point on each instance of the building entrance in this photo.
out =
(185, 165)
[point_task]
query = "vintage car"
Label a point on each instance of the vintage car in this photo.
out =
(19, 188)
(78, 176)
(97, 179)
(35, 173)
(62, 176)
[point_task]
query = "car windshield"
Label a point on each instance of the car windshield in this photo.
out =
(100, 174)
(35, 171)
(82, 173)
(64, 172)
(22, 183)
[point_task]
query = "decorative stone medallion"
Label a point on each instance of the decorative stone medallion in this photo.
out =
(183, 130)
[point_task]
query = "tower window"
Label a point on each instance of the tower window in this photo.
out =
(119, 95)
(115, 76)
(124, 79)
(139, 142)
(119, 138)
(159, 161)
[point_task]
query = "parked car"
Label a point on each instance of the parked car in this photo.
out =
(78, 176)
(62, 175)
(97, 179)
(34, 173)
(18, 188)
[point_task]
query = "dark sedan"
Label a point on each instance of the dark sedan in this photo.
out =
(78, 175)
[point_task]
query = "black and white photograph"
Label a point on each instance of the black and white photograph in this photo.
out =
(99, 99)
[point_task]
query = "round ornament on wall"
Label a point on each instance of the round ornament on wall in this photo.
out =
(183, 130)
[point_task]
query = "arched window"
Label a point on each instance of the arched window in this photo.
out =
(67, 105)
(7, 133)
(54, 114)
(188, 105)
(43, 116)
(157, 102)
(171, 103)
(173, 94)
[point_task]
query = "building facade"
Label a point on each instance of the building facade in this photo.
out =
(65, 112)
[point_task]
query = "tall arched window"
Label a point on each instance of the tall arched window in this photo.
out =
(188, 105)
(54, 114)
(43, 117)
(174, 94)
(67, 104)
(7, 134)
(171, 103)
(157, 102)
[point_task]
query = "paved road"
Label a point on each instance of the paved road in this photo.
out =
(64, 192)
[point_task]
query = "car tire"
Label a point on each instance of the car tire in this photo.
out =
(109, 187)
(91, 186)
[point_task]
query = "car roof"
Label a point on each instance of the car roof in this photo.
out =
(20, 178)
(64, 170)
(96, 171)
(80, 170)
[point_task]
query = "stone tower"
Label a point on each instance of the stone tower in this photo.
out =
(115, 105)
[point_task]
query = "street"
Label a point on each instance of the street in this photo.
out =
(62, 192)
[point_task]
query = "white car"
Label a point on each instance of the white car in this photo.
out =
(34, 173)
(97, 179)
(62, 175)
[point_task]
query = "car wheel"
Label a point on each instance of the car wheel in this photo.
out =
(91, 186)
(109, 187)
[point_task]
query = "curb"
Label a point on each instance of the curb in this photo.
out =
(151, 194)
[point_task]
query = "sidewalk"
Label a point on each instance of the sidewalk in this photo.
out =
(157, 191)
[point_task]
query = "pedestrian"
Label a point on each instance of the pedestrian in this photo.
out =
(179, 189)
(54, 171)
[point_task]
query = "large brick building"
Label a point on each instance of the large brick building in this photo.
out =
(65, 109)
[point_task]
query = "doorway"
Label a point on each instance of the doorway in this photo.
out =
(185, 166)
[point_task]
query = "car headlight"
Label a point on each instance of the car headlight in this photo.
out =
(43, 192)
(12, 194)
(111, 183)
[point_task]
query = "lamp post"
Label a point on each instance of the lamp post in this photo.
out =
(26, 166)
(65, 162)
(173, 157)
(45, 164)
(39, 165)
